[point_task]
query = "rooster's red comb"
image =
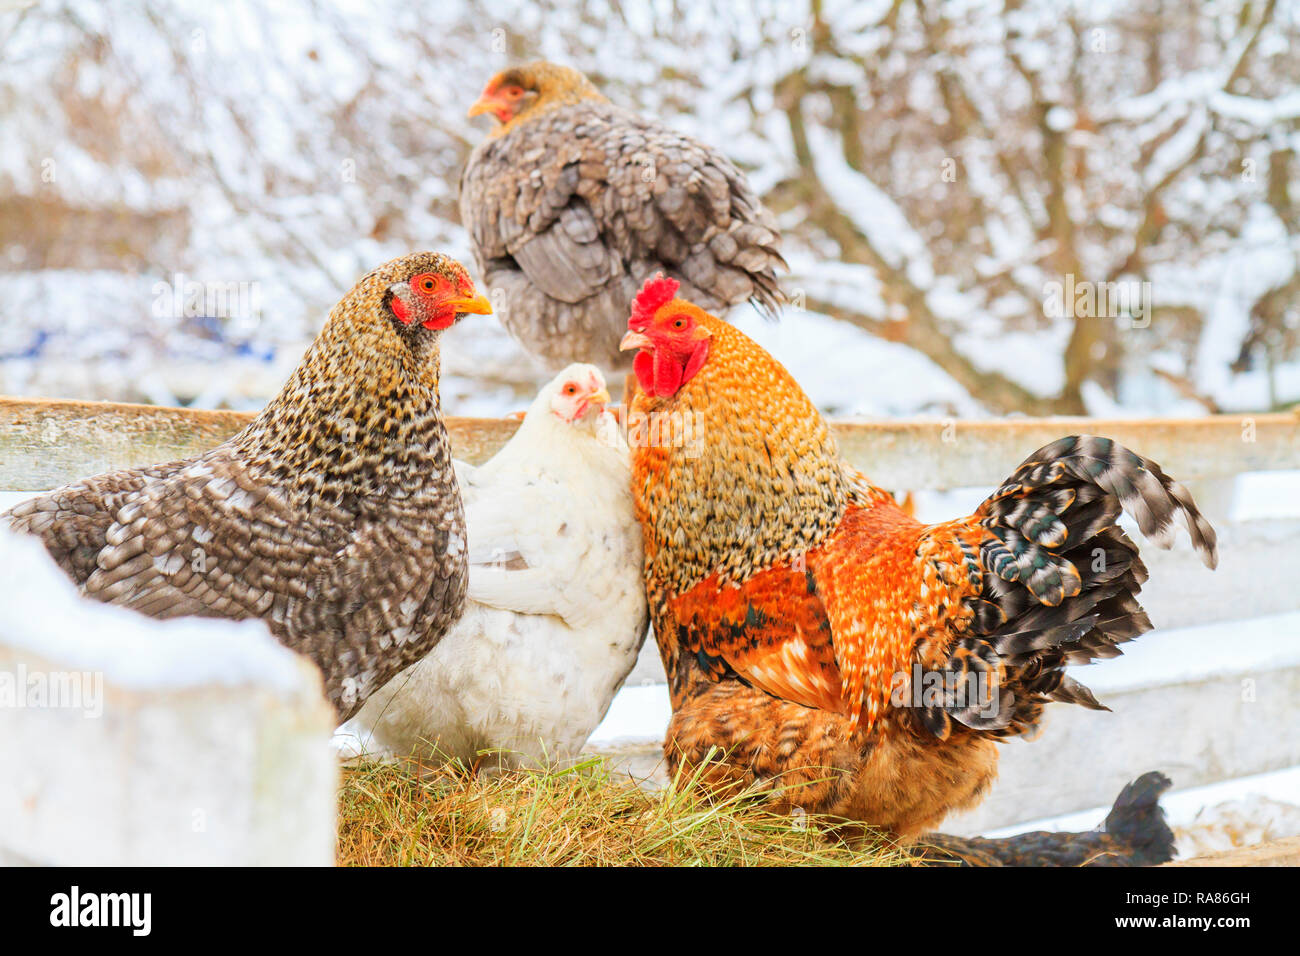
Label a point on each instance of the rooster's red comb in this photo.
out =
(653, 294)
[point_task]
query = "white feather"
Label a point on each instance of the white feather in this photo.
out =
(556, 611)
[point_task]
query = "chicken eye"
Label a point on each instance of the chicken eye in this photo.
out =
(514, 92)
(570, 390)
(425, 283)
(679, 324)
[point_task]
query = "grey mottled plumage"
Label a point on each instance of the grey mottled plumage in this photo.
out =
(334, 516)
(572, 202)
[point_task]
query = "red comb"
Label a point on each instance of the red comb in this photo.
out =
(653, 294)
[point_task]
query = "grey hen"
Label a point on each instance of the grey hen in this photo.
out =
(572, 202)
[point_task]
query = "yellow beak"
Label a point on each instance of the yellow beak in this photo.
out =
(635, 340)
(478, 305)
(600, 398)
(483, 105)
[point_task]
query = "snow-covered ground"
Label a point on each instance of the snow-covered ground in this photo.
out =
(128, 740)
(45, 617)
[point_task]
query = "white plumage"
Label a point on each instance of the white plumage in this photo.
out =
(556, 611)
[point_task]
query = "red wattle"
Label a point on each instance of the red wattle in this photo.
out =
(401, 311)
(661, 374)
(644, 367)
(668, 374)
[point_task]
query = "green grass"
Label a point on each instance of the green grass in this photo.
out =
(584, 815)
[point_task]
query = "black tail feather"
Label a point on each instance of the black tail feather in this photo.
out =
(1138, 821)
(1060, 577)
(1135, 834)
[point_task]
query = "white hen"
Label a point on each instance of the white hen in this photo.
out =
(556, 611)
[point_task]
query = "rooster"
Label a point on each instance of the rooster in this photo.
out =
(334, 516)
(572, 201)
(556, 611)
(818, 638)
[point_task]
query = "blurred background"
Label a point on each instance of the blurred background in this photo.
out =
(935, 167)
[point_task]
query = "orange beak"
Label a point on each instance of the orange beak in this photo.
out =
(475, 305)
(635, 340)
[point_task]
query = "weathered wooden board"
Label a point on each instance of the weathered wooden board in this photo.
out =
(46, 442)
(939, 455)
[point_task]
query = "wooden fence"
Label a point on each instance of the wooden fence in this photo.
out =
(45, 443)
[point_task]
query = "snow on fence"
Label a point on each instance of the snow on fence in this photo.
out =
(130, 741)
(206, 768)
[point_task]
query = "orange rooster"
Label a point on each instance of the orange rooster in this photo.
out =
(818, 637)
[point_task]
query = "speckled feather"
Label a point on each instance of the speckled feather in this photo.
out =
(334, 516)
(575, 201)
(789, 595)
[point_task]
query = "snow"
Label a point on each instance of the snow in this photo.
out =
(1262, 263)
(44, 616)
(847, 372)
(1266, 494)
(1255, 111)
(1033, 358)
(636, 715)
(874, 214)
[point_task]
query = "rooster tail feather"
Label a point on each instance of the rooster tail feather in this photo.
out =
(1061, 578)
(1033, 499)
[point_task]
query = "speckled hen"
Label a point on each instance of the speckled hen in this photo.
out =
(823, 640)
(572, 201)
(334, 516)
